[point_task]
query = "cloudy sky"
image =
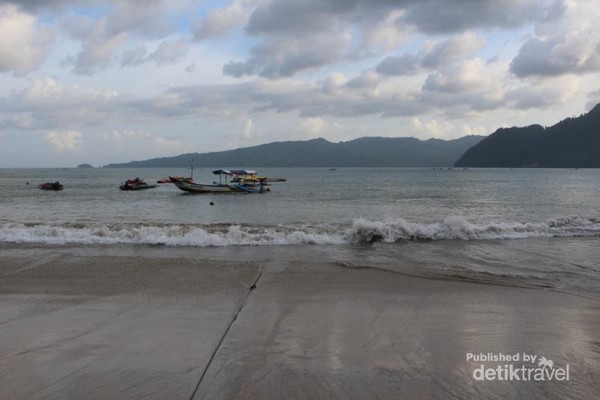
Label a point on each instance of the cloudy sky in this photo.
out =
(102, 81)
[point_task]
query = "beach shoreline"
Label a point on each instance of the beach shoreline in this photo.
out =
(159, 322)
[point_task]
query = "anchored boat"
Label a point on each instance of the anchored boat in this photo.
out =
(230, 181)
(135, 184)
(51, 186)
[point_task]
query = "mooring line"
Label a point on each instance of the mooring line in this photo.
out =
(226, 332)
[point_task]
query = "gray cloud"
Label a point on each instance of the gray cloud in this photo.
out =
(35, 5)
(102, 38)
(557, 56)
(440, 54)
(148, 18)
(443, 16)
(49, 105)
(296, 22)
(97, 50)
(366, 80)
(406, 64)
(285, 56)
(305, 100)
(169, 51)
(133, 57)
(526, 98)
(297, 16)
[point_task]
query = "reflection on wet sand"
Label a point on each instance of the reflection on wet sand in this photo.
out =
(116, 323)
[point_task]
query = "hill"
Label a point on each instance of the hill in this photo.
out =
(571, 143)
(363, 152)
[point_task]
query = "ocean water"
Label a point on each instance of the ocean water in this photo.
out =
(523, 227)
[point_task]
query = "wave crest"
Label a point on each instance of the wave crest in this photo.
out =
(359, 231)
(458, 228)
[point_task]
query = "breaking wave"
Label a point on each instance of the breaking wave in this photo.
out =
(359, 231)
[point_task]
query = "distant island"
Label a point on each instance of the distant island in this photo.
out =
(362, 152)
(571, 143)
(85, 166)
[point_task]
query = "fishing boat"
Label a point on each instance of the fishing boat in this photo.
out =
(51, 186)
(135, 184)
(230, 181)
(223, 186)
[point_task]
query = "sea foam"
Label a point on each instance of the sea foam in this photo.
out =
(358, 231)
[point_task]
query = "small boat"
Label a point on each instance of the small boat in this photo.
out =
(251, 177)
(135, 184)
(51, 186)
(163, 180)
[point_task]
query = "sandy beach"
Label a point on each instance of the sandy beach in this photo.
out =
(153, 322)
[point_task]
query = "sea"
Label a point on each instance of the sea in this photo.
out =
(537, 228)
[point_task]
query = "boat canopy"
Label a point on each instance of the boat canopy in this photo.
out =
(234, 172)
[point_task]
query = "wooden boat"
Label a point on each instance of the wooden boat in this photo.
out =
(135, 184)
(188, 186)
(230, 181)
(51, 186)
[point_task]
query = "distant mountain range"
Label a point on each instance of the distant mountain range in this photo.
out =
(571, 143)
(362, 152)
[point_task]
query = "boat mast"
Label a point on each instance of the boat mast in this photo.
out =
(192, 171)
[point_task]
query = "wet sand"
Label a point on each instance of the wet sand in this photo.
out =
(101, 324)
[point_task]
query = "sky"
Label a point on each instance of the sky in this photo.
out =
(104, 81)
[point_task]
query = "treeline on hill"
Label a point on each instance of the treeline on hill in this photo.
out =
(571, 143)
(363, 152)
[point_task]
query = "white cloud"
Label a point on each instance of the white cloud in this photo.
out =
(48, 104)
(22, 42)
(221, 20)
(143, 142)
(247, 129)
(333, 83)
(433, 128)
(543, 94)
(467, 76)
(315, 127)
(65, 140)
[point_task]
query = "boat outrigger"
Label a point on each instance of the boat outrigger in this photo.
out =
(236, 181)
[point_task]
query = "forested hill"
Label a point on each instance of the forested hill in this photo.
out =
(363, 152)
(571, 143)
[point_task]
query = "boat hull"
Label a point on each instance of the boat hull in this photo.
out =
(191, 187)
(53, 186)
(136, 187)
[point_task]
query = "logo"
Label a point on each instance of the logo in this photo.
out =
(516, 367)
